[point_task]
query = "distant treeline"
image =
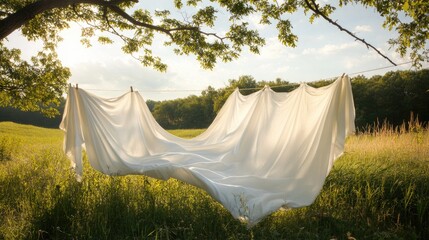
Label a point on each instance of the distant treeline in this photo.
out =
(392, 97)
(33, 118)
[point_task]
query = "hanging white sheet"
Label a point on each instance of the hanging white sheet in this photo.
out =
(263, 151)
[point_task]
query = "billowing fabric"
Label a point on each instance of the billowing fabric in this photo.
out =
(263, 151)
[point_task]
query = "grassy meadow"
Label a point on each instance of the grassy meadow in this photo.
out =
(379, 189)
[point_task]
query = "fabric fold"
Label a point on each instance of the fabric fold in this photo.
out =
(263, 151)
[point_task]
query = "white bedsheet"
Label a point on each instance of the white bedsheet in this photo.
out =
(263, 151)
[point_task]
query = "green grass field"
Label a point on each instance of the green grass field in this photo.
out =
(379, 189)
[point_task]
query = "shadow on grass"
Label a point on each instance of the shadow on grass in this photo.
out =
(118, 212)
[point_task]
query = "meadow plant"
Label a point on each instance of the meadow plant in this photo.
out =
(377, 190)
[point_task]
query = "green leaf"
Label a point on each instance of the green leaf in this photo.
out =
(104, 40)
(406, 6)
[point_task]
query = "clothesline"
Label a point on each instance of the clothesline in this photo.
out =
(375, 69)
(199, 90)
(260, 154)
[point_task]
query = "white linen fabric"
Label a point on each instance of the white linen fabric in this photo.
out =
(263, 151)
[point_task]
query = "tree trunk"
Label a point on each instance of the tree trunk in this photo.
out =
(14, 21)
(25, 14)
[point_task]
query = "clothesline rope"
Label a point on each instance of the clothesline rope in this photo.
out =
(256, 88)
(380, 68)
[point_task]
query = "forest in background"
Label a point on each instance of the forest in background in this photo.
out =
(393, 97)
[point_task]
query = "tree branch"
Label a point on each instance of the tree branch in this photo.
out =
(214, 35)
(22, 16)
(113, 30)
(167, 31)
(313, 6)
(15, 20)
(125, 15)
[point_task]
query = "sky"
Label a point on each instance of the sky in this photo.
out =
(322, 52)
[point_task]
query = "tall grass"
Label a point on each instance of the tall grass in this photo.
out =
(377, 190)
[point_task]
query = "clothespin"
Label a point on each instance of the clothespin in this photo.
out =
(131, 88)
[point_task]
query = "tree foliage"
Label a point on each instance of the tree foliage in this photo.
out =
(37, 84)
(409, 18)
(32, 86)
(191, 112)
(392, 97)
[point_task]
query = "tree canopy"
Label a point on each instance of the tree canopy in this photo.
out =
(38, 84)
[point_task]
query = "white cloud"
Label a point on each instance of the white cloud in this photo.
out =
(352, 63)
(321, 37)
(322, 1)
(363, 28)
(255, 20)
(275, 50)
(329, 49)
(110, 76)
(282, 70)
